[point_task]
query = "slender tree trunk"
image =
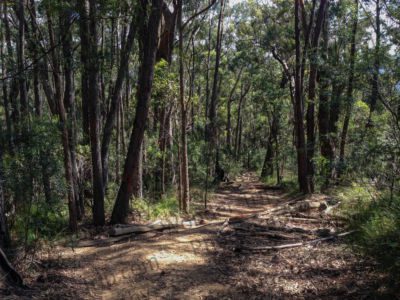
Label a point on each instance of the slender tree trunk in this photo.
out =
(183, 107)
(6, 99)
(82, 7)
(238, 132)
(298, 114)
(229, 112)
(116, 97)
(69, 102)
(148, 41)
(311, 96)
(268, 166)
(326, 148)
(21, 61)
(375, 77)
(92, 68)
(4, 234)
(349, 93)
(212, 114)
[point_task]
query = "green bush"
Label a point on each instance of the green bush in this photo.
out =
(376, 219)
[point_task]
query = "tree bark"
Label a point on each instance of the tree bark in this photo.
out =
(70, 108)
(116, 97)
(229, 112)
(212, 114)
(92, 68)
(326, 148)
(349, 93)
(183, 109)
(268, 166)
(21, 61)
(311, 95)
(148, 42)
(82, 7)
(298, 110)
(375, 77)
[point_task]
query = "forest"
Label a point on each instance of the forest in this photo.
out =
(199, 149)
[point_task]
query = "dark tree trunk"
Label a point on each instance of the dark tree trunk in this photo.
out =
(375, 77)
(268, 166)
(23, 95)
(326, 148)
(311, 96)
(4, 234)
(298, 110)
(212, 114)
(229, 112)
(116, 98)
(70, 108)
(349, 93)
(148, 47)
(6, 101)
(92, 68)
(82, 7)
(185, 191)
(238, 131)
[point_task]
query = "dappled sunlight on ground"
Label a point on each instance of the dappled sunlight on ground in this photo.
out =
(213, 261)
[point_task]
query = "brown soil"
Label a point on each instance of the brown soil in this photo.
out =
(213, 262)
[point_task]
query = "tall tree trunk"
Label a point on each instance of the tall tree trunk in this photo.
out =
(116, 97)
(94, 117)
(349, 93)
(6, 101)
(326, 148)
(375, 77)
(82, 7)
(148, 47)
(212, 114)
(33, 38)
(238, 131)
(268, 165)
(23, 95)
(298, 110)
(183, 108)
(70, 108)
(4, 234)
(229, 112)
(311, 96)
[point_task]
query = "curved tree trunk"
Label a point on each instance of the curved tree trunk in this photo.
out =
(149, 42)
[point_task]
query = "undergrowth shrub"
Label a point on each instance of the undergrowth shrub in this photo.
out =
(376, 219)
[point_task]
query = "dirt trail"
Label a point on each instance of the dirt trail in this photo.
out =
(210, 263)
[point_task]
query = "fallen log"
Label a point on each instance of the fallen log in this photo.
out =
(293, 245)
(272, 235)
(138, 229)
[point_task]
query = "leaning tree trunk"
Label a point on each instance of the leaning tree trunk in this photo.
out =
(149, 41)
(116, 97)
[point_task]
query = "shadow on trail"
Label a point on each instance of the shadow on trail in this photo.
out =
(210, 263)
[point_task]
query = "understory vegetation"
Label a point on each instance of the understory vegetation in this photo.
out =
(121, 112)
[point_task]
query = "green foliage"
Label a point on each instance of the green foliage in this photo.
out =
(33, 213)
(163, 208)
(376, 219)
